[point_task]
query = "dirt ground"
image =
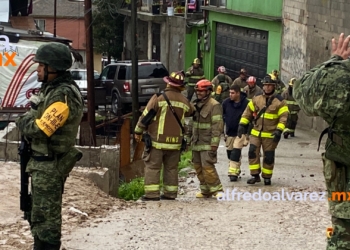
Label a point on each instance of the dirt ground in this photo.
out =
(188, 223)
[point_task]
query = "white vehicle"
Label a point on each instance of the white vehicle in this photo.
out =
(80, 77)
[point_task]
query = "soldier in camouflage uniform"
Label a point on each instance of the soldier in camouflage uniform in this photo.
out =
(51, 126)
(324, 91)
(205, 135)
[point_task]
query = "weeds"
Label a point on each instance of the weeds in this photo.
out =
(132, 190)
(135, 189)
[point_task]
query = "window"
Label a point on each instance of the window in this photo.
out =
(111, 72)
(122, 73)
(152, 71)
(40, 24)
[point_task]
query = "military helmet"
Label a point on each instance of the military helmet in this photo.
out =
(268, 80)
(292, 81)
(56, 55)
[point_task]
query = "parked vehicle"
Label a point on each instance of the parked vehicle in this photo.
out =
(80, 77)
(116, 79)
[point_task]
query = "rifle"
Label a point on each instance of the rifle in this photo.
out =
(24, 151)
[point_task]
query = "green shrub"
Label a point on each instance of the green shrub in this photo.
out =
(132, 190)
(186, 160)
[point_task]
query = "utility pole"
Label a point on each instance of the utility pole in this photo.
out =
(90, 69)
(134, 67)
(54, 18)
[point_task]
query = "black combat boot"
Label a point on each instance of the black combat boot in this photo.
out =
(233, 177)
(267, 181)
(255, 178)
(38, 244)
(52, 246)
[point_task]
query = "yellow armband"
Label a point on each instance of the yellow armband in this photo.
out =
(53, 118)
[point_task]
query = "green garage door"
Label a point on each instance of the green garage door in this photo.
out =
(239, 47)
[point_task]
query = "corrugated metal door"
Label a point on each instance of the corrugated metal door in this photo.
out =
(239, 47)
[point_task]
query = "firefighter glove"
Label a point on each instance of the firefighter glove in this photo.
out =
(242, 130)
(277, 135)
(214, 148)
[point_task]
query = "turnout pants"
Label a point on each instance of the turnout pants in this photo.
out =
(190, 91)
(268, 147)
(153, 164)
(203, 162)
(234, 147)
(292, 122)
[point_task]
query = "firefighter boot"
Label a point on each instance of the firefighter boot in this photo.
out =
(233, 177)
(292, 134)
(38, 244)
(255, 178)
(267, 181)
(285, 135)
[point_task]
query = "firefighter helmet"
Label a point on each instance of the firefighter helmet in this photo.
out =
(196, 61)
(268, 80)
(243, 72)
(251, 79)
(292, 81)
(203, 85)
(175, 79)
(222, 69)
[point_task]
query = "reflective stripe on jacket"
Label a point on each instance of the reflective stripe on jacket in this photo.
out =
(194, 75)
(207, 125)
(164, 130)
(275, 117)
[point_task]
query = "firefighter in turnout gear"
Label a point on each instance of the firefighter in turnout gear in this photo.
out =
(280, 86)
(194, 74)
(205, 133)
(293, 110)
(241, 79)
(233, 109)
(221, 84)
(163, 138)
(252, 89)
(269, 113)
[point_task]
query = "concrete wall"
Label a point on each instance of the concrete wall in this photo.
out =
(172, 32)
(306, 40)
(142, 36)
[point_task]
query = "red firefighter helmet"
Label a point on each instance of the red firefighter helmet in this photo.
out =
(222, 69)
(251, 80)
(203, 85)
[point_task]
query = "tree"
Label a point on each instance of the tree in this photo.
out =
(108, 29)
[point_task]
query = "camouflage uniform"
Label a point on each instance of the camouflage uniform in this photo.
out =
(324, 91)
(205, 132)
(52, 135)
(221, 87)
